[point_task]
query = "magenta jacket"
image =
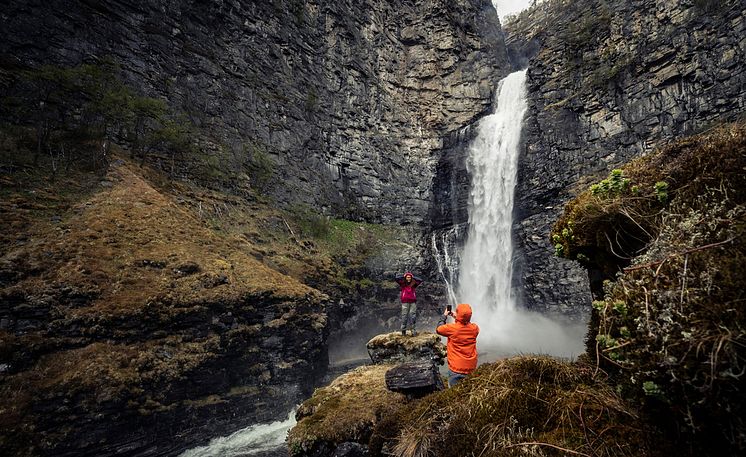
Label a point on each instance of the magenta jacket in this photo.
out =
(407, 290)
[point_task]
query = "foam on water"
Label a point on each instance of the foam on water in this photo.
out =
(256, 440)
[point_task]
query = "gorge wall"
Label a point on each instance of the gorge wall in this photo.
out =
(608, 81)
(127, 326)
(351, 100)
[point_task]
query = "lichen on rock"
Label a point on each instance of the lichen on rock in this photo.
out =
(397, 348)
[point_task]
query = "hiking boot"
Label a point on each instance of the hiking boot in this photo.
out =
(414, 332)
(403, 332)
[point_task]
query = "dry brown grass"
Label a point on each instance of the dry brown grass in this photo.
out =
(527, 406)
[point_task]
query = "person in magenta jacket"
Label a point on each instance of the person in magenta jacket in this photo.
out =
(408, 283)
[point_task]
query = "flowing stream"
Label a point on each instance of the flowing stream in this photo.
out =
(261, 440)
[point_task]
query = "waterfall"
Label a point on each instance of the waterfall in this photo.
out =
(485, 273)
(447, 263)
(485, 267)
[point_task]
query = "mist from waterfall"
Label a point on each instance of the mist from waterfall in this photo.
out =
(485, 267)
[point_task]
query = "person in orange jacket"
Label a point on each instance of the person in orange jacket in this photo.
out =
(462, 343)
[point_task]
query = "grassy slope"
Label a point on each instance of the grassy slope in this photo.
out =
(109, 282)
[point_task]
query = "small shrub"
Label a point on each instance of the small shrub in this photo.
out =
(311, 223)
(312, 100)
(661, 191)
(651, 389)
(261, 167)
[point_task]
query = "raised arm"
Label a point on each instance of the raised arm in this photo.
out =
(444, 329)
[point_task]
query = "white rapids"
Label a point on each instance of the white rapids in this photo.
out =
(256, 440)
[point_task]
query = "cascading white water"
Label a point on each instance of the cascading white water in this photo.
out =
(261, 440)
(485, 269)
(446, 263)
(485, 273)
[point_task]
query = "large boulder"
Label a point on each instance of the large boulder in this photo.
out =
(414, 379)
(395, 348)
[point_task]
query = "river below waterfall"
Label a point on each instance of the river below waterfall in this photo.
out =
(261, 440)
(265, 440)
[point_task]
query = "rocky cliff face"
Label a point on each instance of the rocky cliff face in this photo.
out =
(350, 100)
(607, 82)
(141, 338)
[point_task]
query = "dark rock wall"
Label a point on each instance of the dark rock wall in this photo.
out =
(608, 81)
(350, 99)
(354, 102)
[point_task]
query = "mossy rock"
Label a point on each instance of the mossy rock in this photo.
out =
(669, 324)
(396, 348)
(347, 410)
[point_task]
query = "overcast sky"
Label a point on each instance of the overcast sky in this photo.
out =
(505, 7)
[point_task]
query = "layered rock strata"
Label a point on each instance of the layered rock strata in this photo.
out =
(350, 100)
(607, 81)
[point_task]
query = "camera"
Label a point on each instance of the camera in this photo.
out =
(448, 308)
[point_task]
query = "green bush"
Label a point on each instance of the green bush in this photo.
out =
(311, 223)
(260, 165)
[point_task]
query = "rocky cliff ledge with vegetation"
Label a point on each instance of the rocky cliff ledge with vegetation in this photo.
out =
(608, 81)
(666, 237)
(127, 322)
(663, 372)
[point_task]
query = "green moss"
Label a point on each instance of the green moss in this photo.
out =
(346, 410)
(667, 324)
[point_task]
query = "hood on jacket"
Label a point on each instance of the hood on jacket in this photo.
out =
(463, 313)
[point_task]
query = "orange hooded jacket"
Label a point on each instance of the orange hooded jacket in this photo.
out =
(462, 341)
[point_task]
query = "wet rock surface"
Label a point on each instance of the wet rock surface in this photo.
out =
(607, 82)
(350, 100)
